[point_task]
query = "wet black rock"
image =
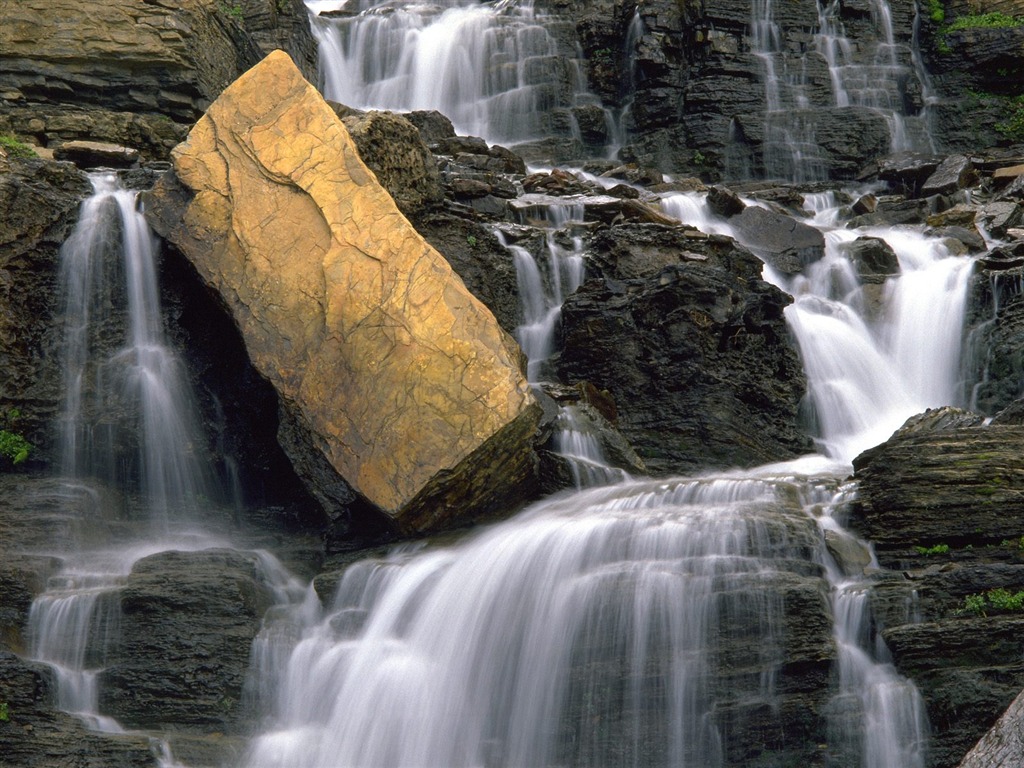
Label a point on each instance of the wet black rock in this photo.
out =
(188, 621)
(783, 242)
(873, 258)
(39, 203)
(697, 356)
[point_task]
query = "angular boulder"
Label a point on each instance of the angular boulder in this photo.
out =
(945, 477)
(389, 372)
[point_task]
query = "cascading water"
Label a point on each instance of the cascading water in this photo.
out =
(493, 69)
(126, 404)
(878, 75)
(639, 624)
(128, 424)
(543, 287)
(131, 390)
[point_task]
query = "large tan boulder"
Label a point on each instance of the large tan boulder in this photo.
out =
(390, 369)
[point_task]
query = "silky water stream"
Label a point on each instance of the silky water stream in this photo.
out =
(134, 479)
(646, 622)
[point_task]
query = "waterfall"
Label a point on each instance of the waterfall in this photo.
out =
(123, 383)
(869, 75)
(129, 424)
(493, 69)
(641, 623)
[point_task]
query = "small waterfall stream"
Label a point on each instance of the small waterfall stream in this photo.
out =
(870, 75)
(129, 423)
(493, 69)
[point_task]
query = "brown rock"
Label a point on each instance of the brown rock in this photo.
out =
(394, 373)
(132, 72)
(393, 149)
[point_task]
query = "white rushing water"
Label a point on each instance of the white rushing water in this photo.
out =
(492, 68)
(128, 424)
(870, 73)
(127, 390)
(592, 629)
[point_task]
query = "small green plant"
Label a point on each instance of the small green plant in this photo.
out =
(15, 147)
(234, 11)
(1013, 126)
(976, 21)
(938, 549)
(936, 11)
(5, 712)
(984, 21)
(698, 158)
(13, 445)
(994, 601)
(471, 239)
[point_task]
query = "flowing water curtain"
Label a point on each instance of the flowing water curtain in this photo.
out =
(129, 415)
(872, 78)
(641, 625)
(493, 69)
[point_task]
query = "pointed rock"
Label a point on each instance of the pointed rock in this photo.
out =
(390, 373)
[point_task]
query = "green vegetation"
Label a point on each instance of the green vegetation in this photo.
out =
(13, 446)
(1014, 543)
(938, 549)
(698, 158)
(234, 11)
(15, 147)
(994, 601)
(984, 21)
(975, 21)
(936, 11)
(471, 240)
(1013, 126)
(5, 712)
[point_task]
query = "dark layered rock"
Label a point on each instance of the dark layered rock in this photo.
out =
(393, 149)
(187, 625)
(939, 502)
(133, 73)
(917, 487)
(38, 209)
(873, 258)
(781, 241)
(975, 73)
(33, 733)
(956, 172)
(696, 356)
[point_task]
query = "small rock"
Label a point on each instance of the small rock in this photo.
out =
(96, 154)
(956, 172)
(724, 202)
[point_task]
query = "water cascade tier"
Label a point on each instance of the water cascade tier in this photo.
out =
(496, 70)
(645, 624)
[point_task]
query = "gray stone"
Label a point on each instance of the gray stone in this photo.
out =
(956, 172)
(782, 241)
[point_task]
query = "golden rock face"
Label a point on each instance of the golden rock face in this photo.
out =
(398, 373)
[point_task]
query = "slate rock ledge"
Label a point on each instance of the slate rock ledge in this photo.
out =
(389, 372)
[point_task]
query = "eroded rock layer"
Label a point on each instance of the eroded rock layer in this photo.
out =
(387, 367)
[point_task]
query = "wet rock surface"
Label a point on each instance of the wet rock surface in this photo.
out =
(940, 501)
(187, 624)
(39, 203)
(697, 357)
